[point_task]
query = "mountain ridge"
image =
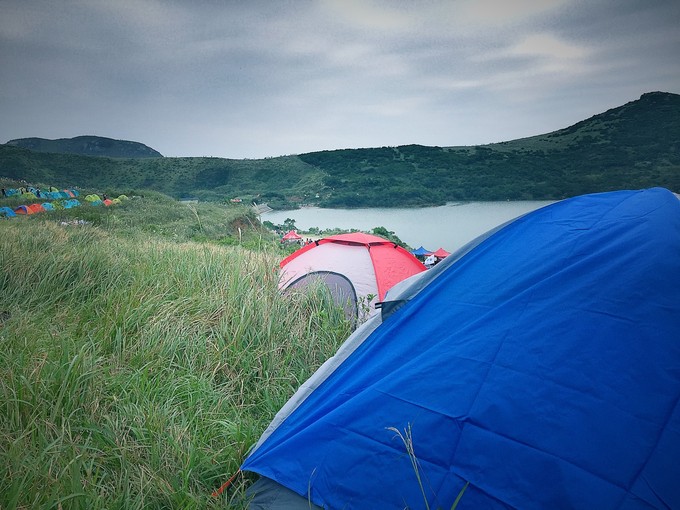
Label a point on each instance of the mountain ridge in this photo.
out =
(636, 145)
(88, 145)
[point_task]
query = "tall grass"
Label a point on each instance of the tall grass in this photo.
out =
(137, 373)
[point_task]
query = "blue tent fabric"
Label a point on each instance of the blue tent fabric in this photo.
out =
(421, 251)
(70, 203)
(7, 211)
(542, 366)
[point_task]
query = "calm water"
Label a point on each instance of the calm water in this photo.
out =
(448, 226)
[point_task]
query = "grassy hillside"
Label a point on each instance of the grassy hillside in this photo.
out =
(137, 367)
(279, 181)
(634, 146)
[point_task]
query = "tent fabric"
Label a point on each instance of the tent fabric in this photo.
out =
(27, 209)
(420, 251)
(47, 206)
(266, 494)
(372, 265)
(7, 211)
(441, 253)
(291, 235)
(341, 288)
(539, 365)
(73, 202)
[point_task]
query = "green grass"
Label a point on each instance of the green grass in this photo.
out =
(136, 367)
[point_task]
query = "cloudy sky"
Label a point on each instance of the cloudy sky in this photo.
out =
(256, 78)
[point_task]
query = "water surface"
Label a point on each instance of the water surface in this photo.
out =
(449, 226)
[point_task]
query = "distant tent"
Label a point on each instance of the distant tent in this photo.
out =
(441, 253)
(108, 202)
(73, 202)
(47, 206)
(96, 202)
(537, 367)
(93, 198)
(29, 209)
(357, 268)
(12, 191)
(74, 192)
(7, 212)
(421, 252)
(291, 236)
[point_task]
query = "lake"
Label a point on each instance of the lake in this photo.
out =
(449, 226)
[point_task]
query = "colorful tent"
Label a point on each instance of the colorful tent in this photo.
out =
(537, 368)
(441, 253)
(421, 252)
(7, 212)
(29, 209)
(291, 236)
(357, 268)
(72, 202)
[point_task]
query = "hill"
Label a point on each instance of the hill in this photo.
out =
(88, 146)
(140, 364)
(636, 145)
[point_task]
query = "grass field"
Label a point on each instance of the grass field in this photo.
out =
(137, 367)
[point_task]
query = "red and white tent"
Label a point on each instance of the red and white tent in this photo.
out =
(357, 268)
(291, 236)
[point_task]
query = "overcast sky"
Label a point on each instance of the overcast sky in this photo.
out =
(254, 79)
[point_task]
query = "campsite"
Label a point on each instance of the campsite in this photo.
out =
(147, 347)
(340, 255)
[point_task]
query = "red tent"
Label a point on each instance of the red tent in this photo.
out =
(358, 268)
(441, 253)
(291, 236)
(29, 209)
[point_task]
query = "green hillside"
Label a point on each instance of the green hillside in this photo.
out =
(635, 146)
(88, 146)
(139, 365)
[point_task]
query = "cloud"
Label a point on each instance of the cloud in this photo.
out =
(262, 78)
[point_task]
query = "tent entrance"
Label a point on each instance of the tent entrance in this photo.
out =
(340, 287)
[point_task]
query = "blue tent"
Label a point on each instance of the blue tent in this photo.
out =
(72, 202)
(539, 365)
(421, 251)
(7, 211)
